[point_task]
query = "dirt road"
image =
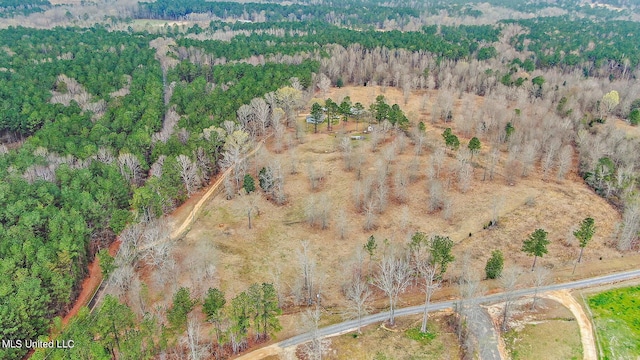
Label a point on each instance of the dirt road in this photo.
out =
(586, 328)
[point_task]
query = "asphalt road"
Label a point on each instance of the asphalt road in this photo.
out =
(352, 325)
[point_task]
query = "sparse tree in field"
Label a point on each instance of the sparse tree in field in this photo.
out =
(509, 281)
(249, 184)
(400, 186)
(465, 176)
(318, 211)
(451, 141)
(370, 247)
(436, 196)
(474, 146)
(536, 245)
(494, 157)
(430, 257)
(250, 204)
(307, 271)
(342, 225)
(229, 189)
(497, 205)
(393, 278)
(316, 115)
(358, 296)
(381, 194)
(314, 174)
(438, 159)
(369, 215)
(584, 234)
(540, 278)
(493, 268)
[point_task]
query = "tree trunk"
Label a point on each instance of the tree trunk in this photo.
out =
(392, 320)
(425, 314)
(249, 216)
(534, 262)
(581, 250)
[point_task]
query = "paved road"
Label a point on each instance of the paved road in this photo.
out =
(349, 326)
(482, 328)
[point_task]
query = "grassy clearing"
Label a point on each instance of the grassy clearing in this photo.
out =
(550, 332)
(616, 316)
(403, 342)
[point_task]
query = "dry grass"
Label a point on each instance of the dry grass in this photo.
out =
(378, 343)
(244, 256)
(549, 332)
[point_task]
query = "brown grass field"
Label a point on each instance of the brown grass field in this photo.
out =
(243, 256)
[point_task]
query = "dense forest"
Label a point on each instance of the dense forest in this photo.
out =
(99, 133)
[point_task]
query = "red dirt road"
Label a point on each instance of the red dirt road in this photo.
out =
(90, 284)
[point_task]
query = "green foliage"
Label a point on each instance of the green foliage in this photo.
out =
(339, 82)
(634, 117)
(495, 264)
(440, 249)
(474, 145)
(536, 244)
(370, 246)
(450, 140)
(585, 231)
(616, 318)
(422, 127)
(181, 307)
(421, 337)
(538, 81)
(212, 305)
(487, 53)
(106, 262)
(509, 129)
(249, 184)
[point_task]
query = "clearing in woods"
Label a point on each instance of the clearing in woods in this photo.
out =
(269, 251)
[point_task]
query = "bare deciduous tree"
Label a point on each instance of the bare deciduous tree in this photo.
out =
(260, 110)
(342, 224)
(565, 159)
(509, 281)
(393, 278)
(629, 227)
(307, 271)
(188, 174)
(130, 168)
(540, 278)
(317, 346)
(358, 297)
